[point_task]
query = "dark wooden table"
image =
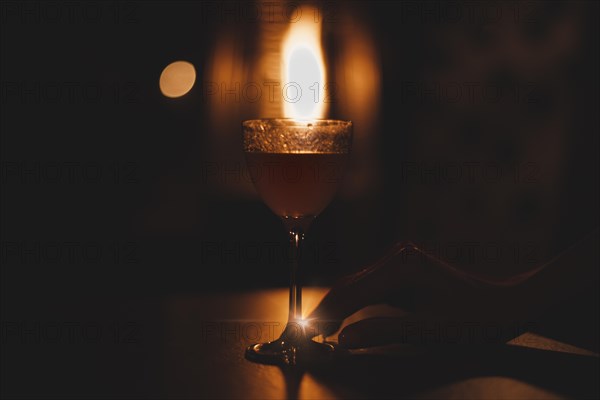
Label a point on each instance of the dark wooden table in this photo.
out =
(205, 337)
(192, 346)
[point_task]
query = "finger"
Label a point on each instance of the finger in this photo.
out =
(359, 290)
(372, 332)
(344, 300)
(338, 304)
(425, 330)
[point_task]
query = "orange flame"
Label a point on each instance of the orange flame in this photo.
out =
(303, 69)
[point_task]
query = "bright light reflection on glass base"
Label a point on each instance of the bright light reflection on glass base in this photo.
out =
(292, 348)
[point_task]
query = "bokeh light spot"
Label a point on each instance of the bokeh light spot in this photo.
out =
(177, 79)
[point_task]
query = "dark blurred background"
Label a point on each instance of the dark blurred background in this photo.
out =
(476, 136)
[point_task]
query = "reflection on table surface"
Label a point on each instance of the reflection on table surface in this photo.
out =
(205, 337)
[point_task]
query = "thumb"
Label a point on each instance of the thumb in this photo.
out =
(364, 288)
(373, 332)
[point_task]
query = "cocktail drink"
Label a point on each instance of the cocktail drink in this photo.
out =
(296, 167)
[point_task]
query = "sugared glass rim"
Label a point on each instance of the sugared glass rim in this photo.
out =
(299, 122)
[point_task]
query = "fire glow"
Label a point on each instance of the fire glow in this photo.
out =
(303, 69)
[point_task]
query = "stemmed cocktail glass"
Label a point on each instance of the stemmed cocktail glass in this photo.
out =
(296, 167)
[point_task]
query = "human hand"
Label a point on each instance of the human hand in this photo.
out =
(444, 304)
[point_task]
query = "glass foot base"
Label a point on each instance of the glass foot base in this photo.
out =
(282, 351)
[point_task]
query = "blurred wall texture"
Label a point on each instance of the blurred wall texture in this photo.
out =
(476, 135)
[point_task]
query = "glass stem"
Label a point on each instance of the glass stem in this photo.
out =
(296, 239)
